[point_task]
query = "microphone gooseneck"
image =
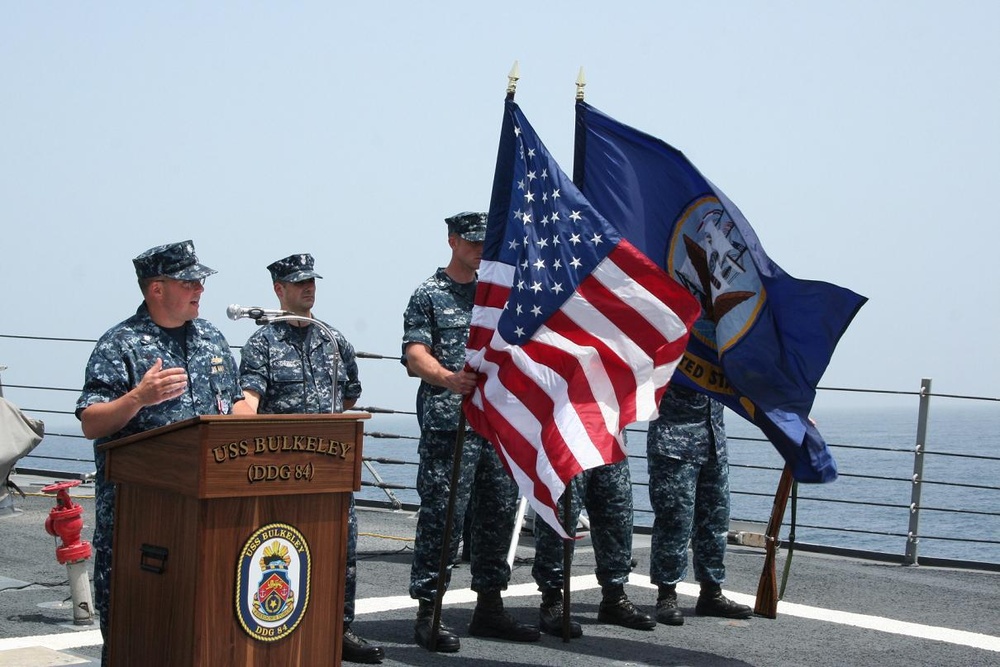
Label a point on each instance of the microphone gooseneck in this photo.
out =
(236, 312)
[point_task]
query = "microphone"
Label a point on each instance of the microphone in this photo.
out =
(236, 312)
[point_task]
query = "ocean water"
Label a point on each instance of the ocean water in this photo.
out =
(874, 447)
(866, 508)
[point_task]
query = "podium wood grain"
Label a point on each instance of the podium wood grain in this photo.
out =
(192, 489)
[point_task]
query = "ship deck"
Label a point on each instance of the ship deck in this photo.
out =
(836, 610)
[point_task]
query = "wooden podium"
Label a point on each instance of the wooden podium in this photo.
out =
(230, 540)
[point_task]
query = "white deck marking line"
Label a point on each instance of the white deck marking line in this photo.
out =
(879, 623)
(57, 642)
(585, 582)
(70, 640)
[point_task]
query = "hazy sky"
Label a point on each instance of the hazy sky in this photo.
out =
(861, 140)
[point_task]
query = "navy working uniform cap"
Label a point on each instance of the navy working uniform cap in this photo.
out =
(469, 225)
(173, 260)
(293, 269)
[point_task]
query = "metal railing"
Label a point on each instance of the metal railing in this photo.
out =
(863, 503)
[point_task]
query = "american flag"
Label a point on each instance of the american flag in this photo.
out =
(575, 333)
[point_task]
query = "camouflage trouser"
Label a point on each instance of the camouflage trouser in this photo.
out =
(606, 492)
(104, 506)
(494, 505)
(351, 580)
(690, 501)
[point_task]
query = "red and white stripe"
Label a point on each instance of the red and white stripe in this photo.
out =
(557, 404)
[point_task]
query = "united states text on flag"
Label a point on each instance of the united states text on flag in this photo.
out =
(574, 334)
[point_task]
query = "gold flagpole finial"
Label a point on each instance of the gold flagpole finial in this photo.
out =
(580, 83)
(515, 74)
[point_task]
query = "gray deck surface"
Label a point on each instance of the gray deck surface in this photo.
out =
(905, 615)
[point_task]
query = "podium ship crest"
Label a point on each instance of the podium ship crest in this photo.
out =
(274, 566)
(275, 597)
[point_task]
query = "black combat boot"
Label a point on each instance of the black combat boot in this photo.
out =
(490, 620)
(711, 602)
(550, 615)
(447, 641)
(667, 611)
(356, 649)
(617, 609)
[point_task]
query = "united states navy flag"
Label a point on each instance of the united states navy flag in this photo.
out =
(765, 338)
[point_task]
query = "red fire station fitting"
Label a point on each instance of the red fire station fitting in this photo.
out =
(65, 521)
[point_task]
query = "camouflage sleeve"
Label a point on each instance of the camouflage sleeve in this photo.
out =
(349, 362)
(254, 369)
(418, 320)
(106, 377)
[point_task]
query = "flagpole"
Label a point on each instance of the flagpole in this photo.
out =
(567, 557)
(568, 544)
(512, 77)
(580, 142)
(456, 469)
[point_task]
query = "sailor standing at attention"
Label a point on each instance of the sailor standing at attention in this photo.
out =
(160, 366)
(435, 332)
(689, 492)
(288, 367)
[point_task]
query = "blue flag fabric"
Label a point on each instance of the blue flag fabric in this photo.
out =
(765, 338)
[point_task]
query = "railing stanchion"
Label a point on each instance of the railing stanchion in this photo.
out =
(913, 532)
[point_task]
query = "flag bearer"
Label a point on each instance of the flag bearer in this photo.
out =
(435, 332)
(689, 492)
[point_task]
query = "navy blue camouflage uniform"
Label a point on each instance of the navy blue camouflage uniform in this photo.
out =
(290, 367)
(688, 488)
(606, 492)
(438, 316)
(118, 363)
